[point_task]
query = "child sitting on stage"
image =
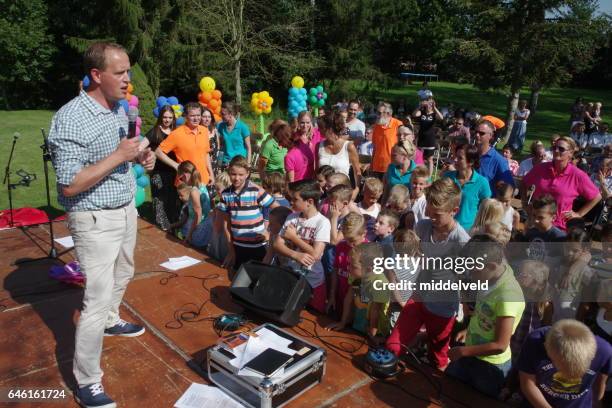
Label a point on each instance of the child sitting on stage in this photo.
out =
(485, 360)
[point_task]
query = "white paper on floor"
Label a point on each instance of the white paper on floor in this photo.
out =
(200, 395)
(66, 242)
(175, 264)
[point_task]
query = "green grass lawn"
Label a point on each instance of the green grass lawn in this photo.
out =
(553, 106)
(552, 117)
(27, 156)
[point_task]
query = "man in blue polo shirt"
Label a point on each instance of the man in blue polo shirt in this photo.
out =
(493, 166)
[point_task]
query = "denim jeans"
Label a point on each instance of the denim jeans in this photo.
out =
(485, 377)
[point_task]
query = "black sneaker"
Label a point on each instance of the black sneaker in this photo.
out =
(124, 329)
(93, 396)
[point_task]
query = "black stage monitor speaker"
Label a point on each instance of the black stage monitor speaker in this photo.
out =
(273, 292)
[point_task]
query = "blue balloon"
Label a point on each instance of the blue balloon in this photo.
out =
(180, 121)
(173, 100)
(124, 104)
(142, 181)
(161, 101)
(86, 82)
(293, 92)
(303, 91)
(156, 111)
(139, 170)
(293, 105)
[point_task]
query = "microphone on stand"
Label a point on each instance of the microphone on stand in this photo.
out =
(132, 116)
(531, 191)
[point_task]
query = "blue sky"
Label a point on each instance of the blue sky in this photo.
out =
(605, 6)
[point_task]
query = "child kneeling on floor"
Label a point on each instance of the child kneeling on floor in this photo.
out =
(485, 360)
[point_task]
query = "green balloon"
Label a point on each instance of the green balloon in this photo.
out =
(320, 88)
(313, 99)
(313, 91)
(321, 102)
(324, 95)
(140, 196)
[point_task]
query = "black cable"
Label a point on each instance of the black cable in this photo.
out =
(189, 312)
(338, 349)
(436, 384)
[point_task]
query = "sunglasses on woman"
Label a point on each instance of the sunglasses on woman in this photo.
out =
(560, 149)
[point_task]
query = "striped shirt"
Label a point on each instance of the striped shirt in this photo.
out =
(245, 209)
(83, 133)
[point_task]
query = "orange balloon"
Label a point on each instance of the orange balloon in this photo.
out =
(128, 96)
(206, 96)
(216, 94)
(217, 117)
(213, 103)
(130, 88)
(201, 97)
(218, 110)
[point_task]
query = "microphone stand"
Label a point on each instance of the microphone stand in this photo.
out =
(7, 180)
(53, 254)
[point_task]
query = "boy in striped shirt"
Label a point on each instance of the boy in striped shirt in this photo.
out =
(242, 204)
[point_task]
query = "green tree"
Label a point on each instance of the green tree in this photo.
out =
(264, 40)
(511, 44)
(26, 52)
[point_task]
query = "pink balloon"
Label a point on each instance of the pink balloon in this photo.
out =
(133, 101)
(138, 121)
(137, 130)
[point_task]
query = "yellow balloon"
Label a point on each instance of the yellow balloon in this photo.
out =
(270, 100)
(268, 109)
(207, 84)
(178, 114)
(264, 95)
(255, 96)
(297, 82)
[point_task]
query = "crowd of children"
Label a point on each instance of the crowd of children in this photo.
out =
(541, 330)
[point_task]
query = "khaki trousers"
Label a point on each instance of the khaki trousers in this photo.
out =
(104, 242)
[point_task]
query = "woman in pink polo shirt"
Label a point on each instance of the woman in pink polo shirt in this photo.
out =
(563, 181)
(300, 159)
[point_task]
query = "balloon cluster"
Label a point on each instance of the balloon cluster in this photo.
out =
(176, 107)
(210, 97)
(261, 103)
(297, 97)
(142, 181)
(317, 97)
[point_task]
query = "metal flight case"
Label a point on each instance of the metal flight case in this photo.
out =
(302, 373)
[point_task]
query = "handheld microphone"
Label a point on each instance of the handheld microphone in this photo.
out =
(132, 116)
(531, 191)
(16, 135)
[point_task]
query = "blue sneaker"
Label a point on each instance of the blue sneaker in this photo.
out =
(124, 329)
(93, 396)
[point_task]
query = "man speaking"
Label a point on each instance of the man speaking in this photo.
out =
(91, 154)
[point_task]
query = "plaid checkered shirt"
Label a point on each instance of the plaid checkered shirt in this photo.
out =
(83, 133)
